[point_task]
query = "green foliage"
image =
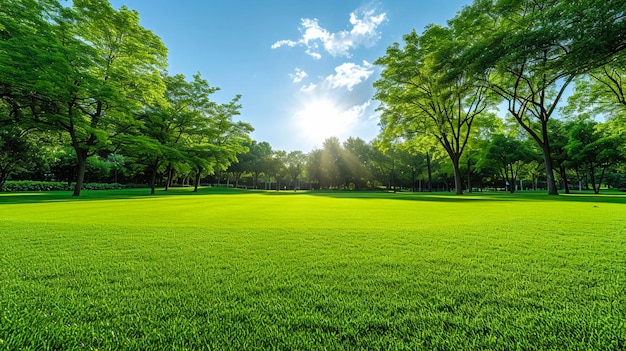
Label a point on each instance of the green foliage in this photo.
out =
(339, 270)
(591, 147)
(29, 185)
(17, 152)
(424, 92)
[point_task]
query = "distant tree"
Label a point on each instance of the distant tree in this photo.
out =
(508, 154)
(257, 159)
(17, 152)
(385, 162)
(596, 150)
(358, 155)
(314, 168)
(277, 167)
(295, 163)
(161, 133)
(559, 134)
(63, 164)
(334, 167)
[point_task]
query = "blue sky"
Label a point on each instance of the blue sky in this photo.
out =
(304, 68)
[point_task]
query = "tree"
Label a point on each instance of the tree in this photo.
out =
(532, 50)
(276, 167)
(358, 157)
(559, 134)
(508, 154)
(17, 152)
(591, 146)
(80, 70)
(123, 74)
(422, 92)
(162, 132)
(314, 168)
(218, 139)
(334, 168)
(256, 160)
(295, 163)
(385, 160)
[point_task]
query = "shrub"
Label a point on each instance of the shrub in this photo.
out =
(29, 185)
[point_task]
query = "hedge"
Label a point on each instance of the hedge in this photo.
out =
(29, 185)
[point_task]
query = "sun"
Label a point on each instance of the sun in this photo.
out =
(321, 118)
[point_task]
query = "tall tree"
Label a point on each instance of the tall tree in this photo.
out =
(79, 69)
(162, 133)
(423, 92)
(218, 138)
(123, 75)
(532, 50)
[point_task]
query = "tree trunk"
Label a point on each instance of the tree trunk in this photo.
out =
(600, 180)
(458, 181)
(168, 182)
(469, 176)
(547, 159)
(153, 176)
(197, 182)
(153, 180)
(430, 172)
(3, 178)
(564, 178)
(594, 186)
(511, 180)
(81, 158)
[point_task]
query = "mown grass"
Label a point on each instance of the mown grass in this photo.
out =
(233, 270)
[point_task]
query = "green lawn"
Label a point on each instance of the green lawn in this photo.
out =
(231, 270)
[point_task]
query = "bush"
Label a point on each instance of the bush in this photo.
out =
(29, 185)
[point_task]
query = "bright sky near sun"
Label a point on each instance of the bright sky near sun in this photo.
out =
(304, 68)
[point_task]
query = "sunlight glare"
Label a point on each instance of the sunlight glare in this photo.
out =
(321, 118)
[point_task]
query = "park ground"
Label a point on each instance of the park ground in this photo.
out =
(228, 269)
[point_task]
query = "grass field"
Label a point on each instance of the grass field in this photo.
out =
(231, 270)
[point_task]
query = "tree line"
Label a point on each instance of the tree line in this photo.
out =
(90, 81)
(448, 82)
(85, 96)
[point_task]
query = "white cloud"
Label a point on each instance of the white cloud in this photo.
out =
(354, 113)
(308, 88)
(298, 76)
(280, 43)
(363, 33)
(315, 55)
(349, 74)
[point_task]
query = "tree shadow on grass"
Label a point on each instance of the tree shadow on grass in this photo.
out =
(100, 195)
(491, 196)
(381, 195)
(142, 193)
